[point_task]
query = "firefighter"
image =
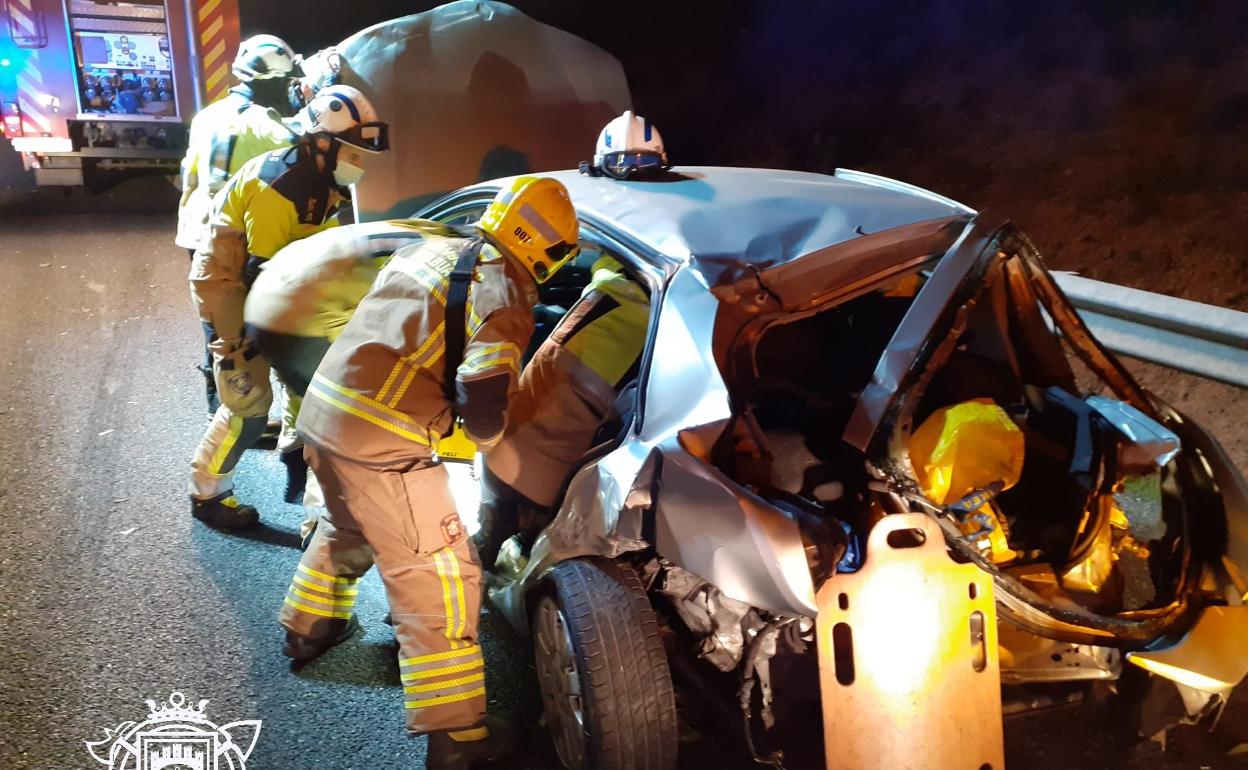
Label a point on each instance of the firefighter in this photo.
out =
(228, 133)
(566, 392)
(299, 304)
(440, 334)
(274, 199)
(569, 388)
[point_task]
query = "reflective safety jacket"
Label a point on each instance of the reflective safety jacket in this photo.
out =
(224, 135)
(378, 395)
(273, 200)
(568, 388)
(312, 287)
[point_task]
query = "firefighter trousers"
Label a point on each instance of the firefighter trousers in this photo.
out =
(246, 394)
(295, 359)
(403, 519)
(241, 374)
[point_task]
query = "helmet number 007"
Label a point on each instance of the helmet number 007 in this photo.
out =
(522, 235)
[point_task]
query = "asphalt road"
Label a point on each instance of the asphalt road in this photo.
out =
(111, 594)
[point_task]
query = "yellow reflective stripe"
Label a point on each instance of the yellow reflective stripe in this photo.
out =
(232, 433)
(434, 336)
(447, 606)
(394, 373)
(442, 700)
(440, 656)
(348, 602)
(457, 668)
(490, 349)
(363, 399)
(421, 359)
(375, 420)
(331, 578)
(410, 361)
(429, 278)
(315, 611)
(446, 685)
(459, 594)
(511, 359)
(319, 587)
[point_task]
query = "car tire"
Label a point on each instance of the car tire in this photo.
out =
(606, 688)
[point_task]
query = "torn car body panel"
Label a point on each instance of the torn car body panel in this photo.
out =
(803, 326)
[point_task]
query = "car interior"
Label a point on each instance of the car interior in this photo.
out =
(790, 410)
(1074, 527)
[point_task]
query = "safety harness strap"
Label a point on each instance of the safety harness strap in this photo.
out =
(456, 309)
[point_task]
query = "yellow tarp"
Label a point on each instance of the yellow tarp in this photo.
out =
(965, 447)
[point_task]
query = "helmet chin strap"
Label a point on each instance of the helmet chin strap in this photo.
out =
(326, 157)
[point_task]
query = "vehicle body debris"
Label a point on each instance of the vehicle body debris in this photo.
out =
(816, 346)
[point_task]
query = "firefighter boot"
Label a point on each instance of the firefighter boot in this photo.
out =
(296, 474)
(224, 512)
(491, 740)
(301, 649)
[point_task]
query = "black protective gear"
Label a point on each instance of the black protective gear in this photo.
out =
(455, 750)
(224, 512)
(302, 649)
(504, 512)
(296, 474)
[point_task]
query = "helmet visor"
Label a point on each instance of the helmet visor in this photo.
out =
(370, 137)
(622, 165)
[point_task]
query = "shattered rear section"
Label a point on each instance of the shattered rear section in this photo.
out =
(1110, 527)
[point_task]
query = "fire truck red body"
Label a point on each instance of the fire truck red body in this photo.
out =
(90, 88)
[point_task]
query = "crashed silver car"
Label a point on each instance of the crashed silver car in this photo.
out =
(757, 529)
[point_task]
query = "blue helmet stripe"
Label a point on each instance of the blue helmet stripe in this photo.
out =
(355, 113)
(646, 123)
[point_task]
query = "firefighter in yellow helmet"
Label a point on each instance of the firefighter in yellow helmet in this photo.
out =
(274, 199)
(229, 132)
(299, 304)
(440, 335)
(566, 392)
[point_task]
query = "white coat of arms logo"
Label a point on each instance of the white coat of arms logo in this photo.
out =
(176, 736)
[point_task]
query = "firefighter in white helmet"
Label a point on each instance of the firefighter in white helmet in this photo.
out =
(629, 148)
(274, 199)
(226, 134)
(568, 390)
(439, 335)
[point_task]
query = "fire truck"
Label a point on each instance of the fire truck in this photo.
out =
(93, 90)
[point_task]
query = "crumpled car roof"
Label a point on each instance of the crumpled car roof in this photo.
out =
(760, 217)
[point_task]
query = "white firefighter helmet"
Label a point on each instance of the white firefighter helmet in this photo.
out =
(349, 116)
(264, 57)
(630, 146)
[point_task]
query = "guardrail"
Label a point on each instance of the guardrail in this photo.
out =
(1204, 340)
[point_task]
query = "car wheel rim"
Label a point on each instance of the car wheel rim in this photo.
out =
(561, 684)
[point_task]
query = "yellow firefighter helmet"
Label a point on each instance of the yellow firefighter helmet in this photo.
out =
(532, 218)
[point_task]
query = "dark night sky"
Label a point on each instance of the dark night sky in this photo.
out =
(1113, 131)
(809, 83)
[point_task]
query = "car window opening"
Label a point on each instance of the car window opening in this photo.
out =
(1075, 524)
(792, 401)
(1067, 515)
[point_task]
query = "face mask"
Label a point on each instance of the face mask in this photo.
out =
(348, 169)
(347, 174)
